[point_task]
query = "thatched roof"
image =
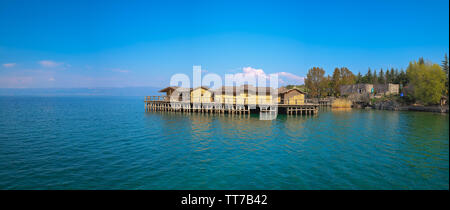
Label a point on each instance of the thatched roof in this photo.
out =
(284, 90)
(244, 88)
(173, 88)
(203, 87)
(229, 89)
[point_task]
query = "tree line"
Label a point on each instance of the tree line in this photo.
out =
(393, 76)
(427, 81)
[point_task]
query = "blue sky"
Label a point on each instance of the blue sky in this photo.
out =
(143, 43)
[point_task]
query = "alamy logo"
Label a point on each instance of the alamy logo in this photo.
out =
(236, 93)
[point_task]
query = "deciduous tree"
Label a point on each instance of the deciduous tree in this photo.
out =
(427, 80)
(342, 76)
(335, 81)
(316, 82)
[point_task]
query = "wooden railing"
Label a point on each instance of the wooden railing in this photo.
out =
(156, 98)
(321, 100)
(292, 101)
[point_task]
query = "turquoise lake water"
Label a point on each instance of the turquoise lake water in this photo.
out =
(111, 143)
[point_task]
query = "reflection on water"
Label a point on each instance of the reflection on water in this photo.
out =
(341, 109)
(268, 115)
(110, 143)
(360, 149)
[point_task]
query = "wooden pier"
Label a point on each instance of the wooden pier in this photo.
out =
(305, 109)
(162, 103)
(321, 102)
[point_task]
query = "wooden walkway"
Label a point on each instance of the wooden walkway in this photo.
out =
(321, 102)
(161, 103)
(305, 109)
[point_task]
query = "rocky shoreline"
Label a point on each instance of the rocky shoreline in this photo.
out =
(395, 106)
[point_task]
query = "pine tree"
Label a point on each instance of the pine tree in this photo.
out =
(381, 77)
(392, 76)
(368, 77)
(402, 78)
(387, 76)
(374, 77)
(421, 61)
(445, 64)
(396, 79)
(358, 78)
(445, 68)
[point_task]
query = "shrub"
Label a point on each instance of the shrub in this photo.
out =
(341, 103)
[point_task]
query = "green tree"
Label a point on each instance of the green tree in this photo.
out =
(329, 89)
(396, 75)
(381, 77)
(358, 78)
(335, 82)
(403, 79)
(374, 77)
(387, 76)
(316, 82)
(445, 68)
(421, 60)
(427, 81)
(347, 76)
(342, 76)
(392, 76)
(368, 77)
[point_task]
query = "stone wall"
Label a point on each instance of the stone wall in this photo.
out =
(387, 89)
(356, 88)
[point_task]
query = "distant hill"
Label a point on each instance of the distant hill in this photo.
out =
(105, 91)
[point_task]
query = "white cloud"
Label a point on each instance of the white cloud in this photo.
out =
(9, 65)
(49, 63)
(284, 78)
(290, 79)
(249, 71)
(120, 70)
(51, 79)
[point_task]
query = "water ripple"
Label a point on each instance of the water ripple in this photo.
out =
(110, 143)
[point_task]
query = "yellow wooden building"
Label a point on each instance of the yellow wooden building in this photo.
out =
(201, 95)
(291, 96)
(241, 99)
(240, 95)
(244, 95)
